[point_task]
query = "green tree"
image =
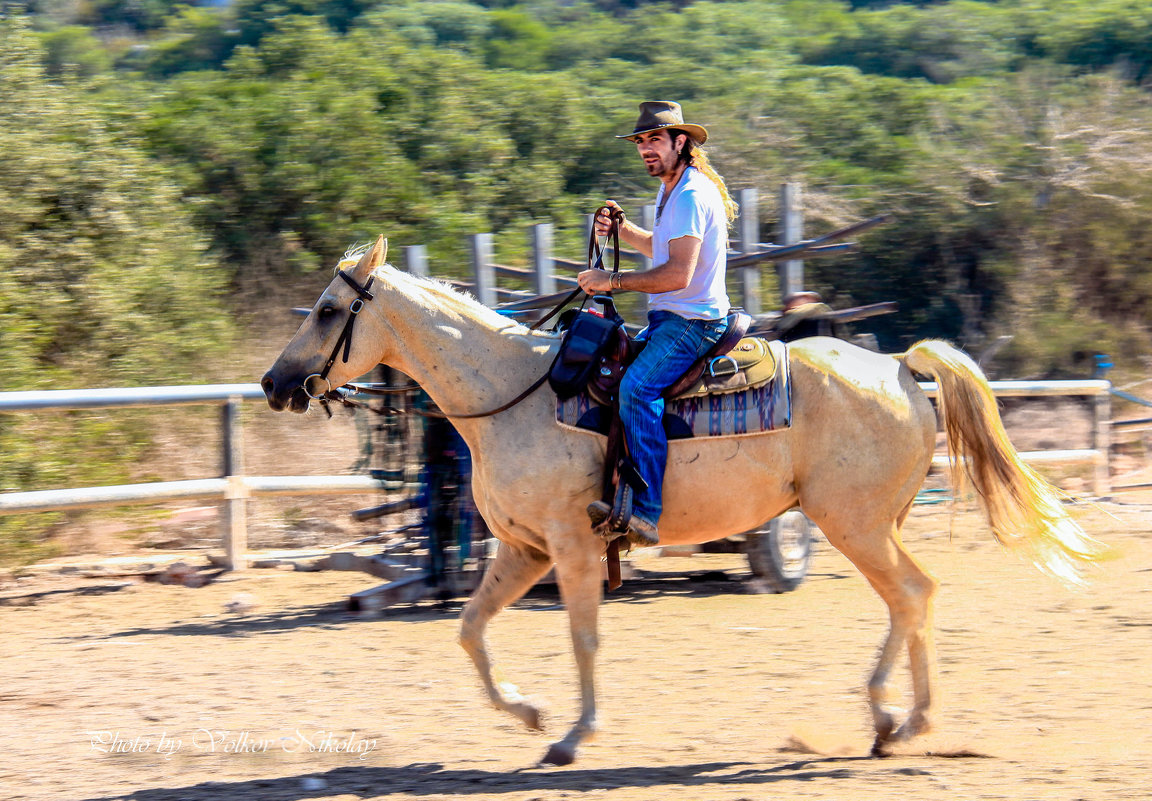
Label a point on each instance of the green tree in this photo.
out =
(432, 120)
(315, 139)
(192, 39)
(288, 156)
(73, 50)
(103, 280)
(517, 41)
(138, 15)
(1096, 35)
(1070, 164)
(940, 42)
(257, 18)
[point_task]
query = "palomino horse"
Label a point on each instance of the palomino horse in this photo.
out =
(860, 445)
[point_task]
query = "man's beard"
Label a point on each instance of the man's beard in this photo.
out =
(658, 169)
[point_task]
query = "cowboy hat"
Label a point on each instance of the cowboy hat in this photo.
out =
(655, 115)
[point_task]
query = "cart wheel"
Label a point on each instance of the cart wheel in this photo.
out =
(780, 552)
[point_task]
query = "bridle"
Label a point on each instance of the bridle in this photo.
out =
(344, 341)
(364, 294)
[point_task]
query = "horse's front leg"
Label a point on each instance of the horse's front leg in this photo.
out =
(580, 575)
(514, 570)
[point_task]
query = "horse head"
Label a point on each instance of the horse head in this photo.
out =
(324, 353)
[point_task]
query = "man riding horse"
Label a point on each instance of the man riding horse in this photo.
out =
(860, 442)
(688, 305)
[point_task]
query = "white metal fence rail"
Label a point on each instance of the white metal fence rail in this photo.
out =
(1098, 390)
(234, 488)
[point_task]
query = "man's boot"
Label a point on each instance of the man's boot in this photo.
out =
(642, 532)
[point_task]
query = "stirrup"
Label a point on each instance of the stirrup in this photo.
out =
(598, 512)
(621, 515)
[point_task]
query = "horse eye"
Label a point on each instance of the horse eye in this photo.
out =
(325, 311)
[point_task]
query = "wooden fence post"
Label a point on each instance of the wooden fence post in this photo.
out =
(234, 510)
(416, 260)
(748, 229)
(1102, 442)
(544, 275)
(792, 231)
(482, 270)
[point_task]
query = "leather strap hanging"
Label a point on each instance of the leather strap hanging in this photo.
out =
(615, 219)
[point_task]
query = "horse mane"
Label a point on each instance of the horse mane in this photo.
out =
(446, 294)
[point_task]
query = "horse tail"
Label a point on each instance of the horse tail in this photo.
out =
(1025, 512)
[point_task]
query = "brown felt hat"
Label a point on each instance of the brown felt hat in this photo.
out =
(656, 115)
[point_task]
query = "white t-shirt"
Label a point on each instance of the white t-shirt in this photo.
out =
(695, 208)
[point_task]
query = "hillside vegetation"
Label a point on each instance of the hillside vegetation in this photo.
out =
(1011, 140)
(153, 155)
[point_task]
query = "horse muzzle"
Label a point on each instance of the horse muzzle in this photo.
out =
(284, 393)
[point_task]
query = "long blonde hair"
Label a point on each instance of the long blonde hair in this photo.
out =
(695, 156)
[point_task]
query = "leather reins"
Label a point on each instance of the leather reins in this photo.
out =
(363, 294)
(615, 218)
(429, 412)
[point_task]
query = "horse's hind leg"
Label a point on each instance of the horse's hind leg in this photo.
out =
(512, 573)
(908, 592)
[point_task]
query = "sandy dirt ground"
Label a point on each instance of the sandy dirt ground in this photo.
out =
(261, 686)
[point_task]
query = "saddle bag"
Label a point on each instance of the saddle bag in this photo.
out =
(591, 344)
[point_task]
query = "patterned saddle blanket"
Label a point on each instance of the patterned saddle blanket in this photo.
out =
(746, 391)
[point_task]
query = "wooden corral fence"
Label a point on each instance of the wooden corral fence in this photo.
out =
(549, 274)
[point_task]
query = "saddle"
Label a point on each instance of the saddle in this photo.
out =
(597, 350)
(594, 356)
(738, 362)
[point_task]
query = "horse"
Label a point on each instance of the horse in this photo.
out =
(859, 447)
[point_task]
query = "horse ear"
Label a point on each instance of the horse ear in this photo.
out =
(371, 260)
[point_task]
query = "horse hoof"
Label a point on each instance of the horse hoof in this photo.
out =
(530, 716)
(559, 754)
(884, 722)
(879, 748)
(915, 726)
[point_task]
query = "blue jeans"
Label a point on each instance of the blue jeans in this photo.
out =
(674, 343)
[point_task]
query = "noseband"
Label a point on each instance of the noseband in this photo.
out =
(345, 339)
